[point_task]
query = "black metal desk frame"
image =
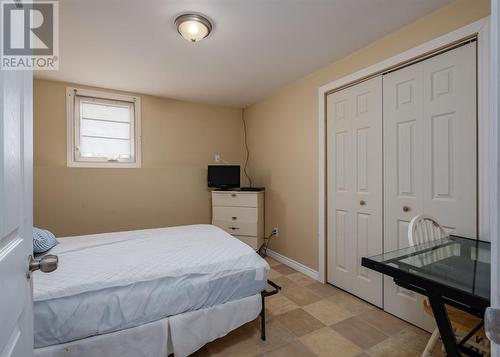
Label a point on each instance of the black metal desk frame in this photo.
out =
(439, 294)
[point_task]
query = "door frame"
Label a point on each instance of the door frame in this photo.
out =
(495, 155)
(479, 29)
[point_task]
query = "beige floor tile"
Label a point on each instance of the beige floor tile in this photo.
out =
(406, 343)
(283, 269)
(327, 312)
(246, 340)
(277, 335)
(243, 342)
(383, 321)
(272, 262)
(300, 331)
(300, 295)
(299, 322)
(327, 343)
(279, 304)
(351, 303)
(359, 332)
(294, 349)
(300, 279)
(284, 282)
(273, 274)
(323, 290)
(363, 354)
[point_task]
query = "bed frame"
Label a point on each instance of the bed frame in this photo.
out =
(265, 294)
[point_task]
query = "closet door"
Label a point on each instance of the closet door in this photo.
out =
(429, 157)
(354, 129)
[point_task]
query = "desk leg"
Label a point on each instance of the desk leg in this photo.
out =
(444, 325)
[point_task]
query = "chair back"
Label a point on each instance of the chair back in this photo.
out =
(424, 229)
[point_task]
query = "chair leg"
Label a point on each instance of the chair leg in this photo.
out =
(431, 344)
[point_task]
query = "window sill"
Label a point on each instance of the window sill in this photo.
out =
(104, 165)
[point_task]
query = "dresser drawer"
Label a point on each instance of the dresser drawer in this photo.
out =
(253, 242)
(237, 228)
(235, 214)
(234, 199)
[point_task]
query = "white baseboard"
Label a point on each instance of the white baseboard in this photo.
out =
(293, 264)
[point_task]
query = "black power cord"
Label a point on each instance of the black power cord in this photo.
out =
(262, 251)
(246, 147)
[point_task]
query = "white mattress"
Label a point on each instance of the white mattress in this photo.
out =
(113, 281)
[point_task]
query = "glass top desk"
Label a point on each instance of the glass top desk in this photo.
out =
(452, 270)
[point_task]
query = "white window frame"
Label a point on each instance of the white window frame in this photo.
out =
(72, 124)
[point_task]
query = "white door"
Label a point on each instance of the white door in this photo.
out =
(429, 157)
(16, 316)
(354, 127)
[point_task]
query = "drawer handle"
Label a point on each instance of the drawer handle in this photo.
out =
(233, 194)
(233, 228)
(234, 218)
(362, 202)
(406, 209)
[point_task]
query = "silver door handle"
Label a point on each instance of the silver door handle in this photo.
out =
(46, 264)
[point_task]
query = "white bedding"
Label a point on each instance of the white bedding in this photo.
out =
(113, 281)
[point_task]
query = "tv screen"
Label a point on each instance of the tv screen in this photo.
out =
(223, 176)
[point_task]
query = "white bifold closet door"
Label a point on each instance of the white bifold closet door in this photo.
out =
(430, 163)
(354, 169)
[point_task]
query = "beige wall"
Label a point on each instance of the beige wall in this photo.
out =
(179, 140)
(283, 131)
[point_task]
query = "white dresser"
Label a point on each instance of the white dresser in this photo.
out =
(240, 213)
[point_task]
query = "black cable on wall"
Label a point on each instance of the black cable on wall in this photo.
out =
(246, 147)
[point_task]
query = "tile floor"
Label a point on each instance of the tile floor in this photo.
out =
(309, 319)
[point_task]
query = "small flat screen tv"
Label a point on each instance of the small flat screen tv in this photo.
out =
(223, 176)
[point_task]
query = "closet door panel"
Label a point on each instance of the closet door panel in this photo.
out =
(403, 176)
(450, 140)
(354, 127)
(430, 163)
(367, 195)
(340, 188)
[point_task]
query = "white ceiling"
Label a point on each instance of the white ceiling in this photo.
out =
(256, 46)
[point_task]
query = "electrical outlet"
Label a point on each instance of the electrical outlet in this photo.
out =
(275, 231)
(217, 157)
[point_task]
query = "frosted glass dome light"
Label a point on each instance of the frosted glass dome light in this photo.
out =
(193, 27)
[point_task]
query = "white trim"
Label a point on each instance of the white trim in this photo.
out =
(480, 27)
(493, 160)
(293, 264)
(70, 162)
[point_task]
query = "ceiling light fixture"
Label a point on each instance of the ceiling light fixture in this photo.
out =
(193, 27)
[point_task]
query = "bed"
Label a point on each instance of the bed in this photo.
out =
(146, 293)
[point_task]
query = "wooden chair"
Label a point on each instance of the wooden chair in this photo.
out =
(424, 229)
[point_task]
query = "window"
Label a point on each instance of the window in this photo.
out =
(103, 129)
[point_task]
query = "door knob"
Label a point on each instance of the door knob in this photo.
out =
(406, 209)
(46, 264)
(362, 202)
